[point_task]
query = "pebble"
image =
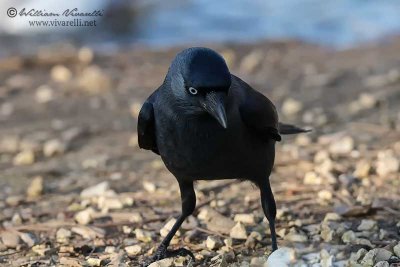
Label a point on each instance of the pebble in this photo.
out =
(149, 187)
(383, 254)
(71, 262)
(291, 107)
(238, 231)
(96, 190)
(85, 55)
(167, 228)
(10, 239)
(133, 250)
(332, 216)
(63, 235)
(213, 242)
(251, 61)
(294, 236)
(258, 262)
(396, 250)
(244, 218)
(367, 225)
(312, 178)
(342, 146)
(26, 157)
(53, 147)
(369, 258)
(326, 259)
(9, 144)
(106, 204)
(94, 262)
(362, 169)
(60, 73)
(387, 163)
(84, 217)
(44, 94)
(35, 188)
(28, 238)
(163, 263)
(281, 257)
(325, 195)
(142, 235)
(252, 239)
(382, 264)
(348, 237)
(94, 80)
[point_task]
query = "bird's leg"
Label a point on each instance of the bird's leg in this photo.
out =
(269, 207)
(188, 197)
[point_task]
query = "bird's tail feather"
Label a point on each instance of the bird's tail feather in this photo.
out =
(291, 129)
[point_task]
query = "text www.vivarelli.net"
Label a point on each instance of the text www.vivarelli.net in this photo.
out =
(62, 23)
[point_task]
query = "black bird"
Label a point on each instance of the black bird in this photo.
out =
(208, 124)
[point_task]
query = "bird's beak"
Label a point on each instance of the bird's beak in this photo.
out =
(214, 104)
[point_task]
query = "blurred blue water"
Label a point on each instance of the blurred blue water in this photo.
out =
(337, 23)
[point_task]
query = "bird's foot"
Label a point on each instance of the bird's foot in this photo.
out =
(163, 253)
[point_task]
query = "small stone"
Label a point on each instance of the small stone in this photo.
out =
(63, 235)
(326, 259)
(10, 239)
(14, 201)
(383, 254)
(312, 178)
(363, 169)
(142, 235)
(29, 239)
(35, 188)
(245, 218)
(213, 242)
(257, 262)
(106, 204)
(327, 233)
(85, 55)
(9, 144)
(369, 258)
(396, 250)
(149, 187)
(133, 250)
(342, 146)
(40, 250)
(163, 263)
(349, 237)
(94, 262)
(367, 225)
(16, 219)
(60, 73)
(135, 109)
(332, 216)
(294, 236)
(167, 228)
(367, 101)
(26, 157)
(94, 80)
(387, 163)
(291, 107)
(84, 217)
(44, 94)
(71, 262)
(251, 61)
(53, 147)
(238, 231)
(281, 257)
(325, 195)
(382, 264)
(252, 239)
(96, 190)
(355, 257)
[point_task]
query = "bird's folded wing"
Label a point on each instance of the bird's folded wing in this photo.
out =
(146, 127)
(259, 114)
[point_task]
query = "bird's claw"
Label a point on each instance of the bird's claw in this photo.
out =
(163, 253)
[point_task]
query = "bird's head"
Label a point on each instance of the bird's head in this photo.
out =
(200, 80)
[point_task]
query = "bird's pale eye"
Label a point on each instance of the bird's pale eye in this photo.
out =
(193, 91)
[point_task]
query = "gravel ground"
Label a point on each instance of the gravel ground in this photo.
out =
(75, 189)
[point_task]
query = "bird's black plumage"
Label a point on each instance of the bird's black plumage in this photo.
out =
(208, 124)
